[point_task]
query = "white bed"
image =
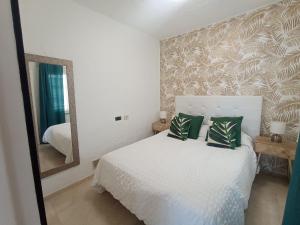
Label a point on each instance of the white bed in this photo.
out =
(165, 181)
(59, 137)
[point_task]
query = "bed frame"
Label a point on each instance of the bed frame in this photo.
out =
(249, 107)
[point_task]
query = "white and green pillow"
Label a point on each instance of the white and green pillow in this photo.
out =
(238, 127)
(196, 122)
(223, 133)
(179, 128)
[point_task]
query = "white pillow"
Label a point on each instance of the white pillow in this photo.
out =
(246, 139)
(203, 131)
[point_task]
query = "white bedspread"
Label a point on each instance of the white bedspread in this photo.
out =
(165, 181)
(59, 136)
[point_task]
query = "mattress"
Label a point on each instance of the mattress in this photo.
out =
(59, 137)
(165, 181)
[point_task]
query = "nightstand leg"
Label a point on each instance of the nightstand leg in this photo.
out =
(290, 168)
(258, 160)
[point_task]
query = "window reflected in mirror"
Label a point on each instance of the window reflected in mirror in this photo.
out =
(51, 111)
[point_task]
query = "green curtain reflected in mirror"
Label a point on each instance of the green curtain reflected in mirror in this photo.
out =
(51, 89)
(292, 207)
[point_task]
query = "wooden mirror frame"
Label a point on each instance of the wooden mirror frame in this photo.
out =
(72, 108)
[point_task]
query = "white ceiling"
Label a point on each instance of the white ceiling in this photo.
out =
(167, 18)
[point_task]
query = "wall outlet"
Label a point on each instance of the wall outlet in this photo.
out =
(126, 117)
(117, 118)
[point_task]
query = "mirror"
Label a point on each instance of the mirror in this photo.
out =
(53, 112)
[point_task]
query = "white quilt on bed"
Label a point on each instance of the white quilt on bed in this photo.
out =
(59, 136)
(165, 181)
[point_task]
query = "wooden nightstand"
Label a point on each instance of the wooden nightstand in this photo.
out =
(285, 150)
(159, 127)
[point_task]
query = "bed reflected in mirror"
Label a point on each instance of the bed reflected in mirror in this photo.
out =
(53, 112)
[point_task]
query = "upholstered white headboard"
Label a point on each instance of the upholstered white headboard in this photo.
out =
(247, 106)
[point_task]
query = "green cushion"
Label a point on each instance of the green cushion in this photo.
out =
(238, 127)
(222, 134)
(196, 122)
(179, 128)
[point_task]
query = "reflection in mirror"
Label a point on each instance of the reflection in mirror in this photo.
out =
(53, 115)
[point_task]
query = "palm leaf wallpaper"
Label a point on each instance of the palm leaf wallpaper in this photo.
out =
(257, 53)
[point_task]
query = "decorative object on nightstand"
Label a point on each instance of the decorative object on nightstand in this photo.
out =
(163, 116)
(277, 129)
(158, 126)
(284, 150)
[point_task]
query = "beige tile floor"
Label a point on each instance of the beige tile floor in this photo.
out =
(50, 158)
(81, 205)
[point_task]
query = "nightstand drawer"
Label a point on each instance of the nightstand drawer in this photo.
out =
(159, 127)
(273, 150)
(285, 150)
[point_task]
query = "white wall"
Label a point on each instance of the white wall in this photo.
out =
(17, 195)
(116, 72)
(8, 213)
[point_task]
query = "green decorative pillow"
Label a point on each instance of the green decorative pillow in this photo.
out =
(196, 122)
(238, 127)
(179, 128)
(222, 134)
